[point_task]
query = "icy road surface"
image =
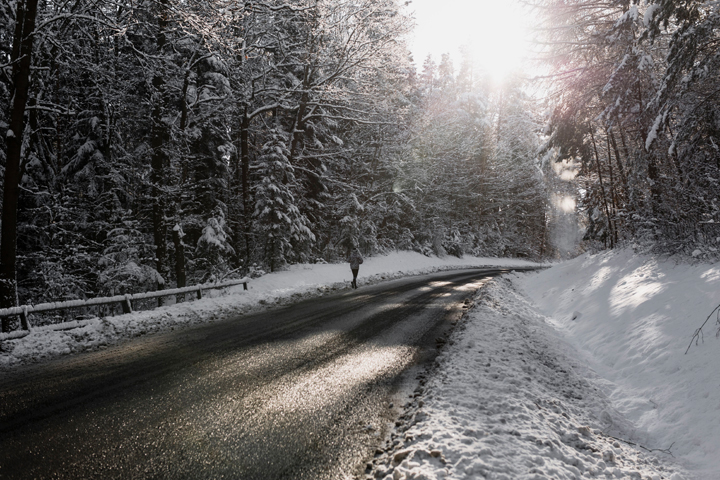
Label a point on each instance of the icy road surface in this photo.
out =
(297, 392)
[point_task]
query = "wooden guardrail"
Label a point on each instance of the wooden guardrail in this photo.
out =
(124, 300)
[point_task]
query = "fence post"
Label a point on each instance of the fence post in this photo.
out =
(244, 285)
(126, 305)
(24, 320)
(199, 294)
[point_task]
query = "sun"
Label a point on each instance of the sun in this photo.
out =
(494, 31)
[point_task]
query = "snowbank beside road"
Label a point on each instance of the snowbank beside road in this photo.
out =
(633, 317)
(299, 281)
(509, 399)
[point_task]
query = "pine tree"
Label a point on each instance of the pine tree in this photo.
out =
(286, 232)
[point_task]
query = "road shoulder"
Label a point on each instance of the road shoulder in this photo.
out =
(508, 399)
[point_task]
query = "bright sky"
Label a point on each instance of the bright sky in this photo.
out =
(495, 30)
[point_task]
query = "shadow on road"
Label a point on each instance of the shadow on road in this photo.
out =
(293, 392)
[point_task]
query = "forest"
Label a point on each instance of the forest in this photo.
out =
(161, 143)
(634, 105)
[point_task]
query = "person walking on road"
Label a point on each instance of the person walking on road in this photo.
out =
(355, 260)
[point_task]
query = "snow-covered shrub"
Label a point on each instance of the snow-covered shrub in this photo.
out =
(453, 243)
(255, 271)
(213, 248)
(126, 262)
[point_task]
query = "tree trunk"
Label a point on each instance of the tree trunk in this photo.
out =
(299, 124)
(653, 176)
(602, 191)
(180, 270)
(157, 178)
(179, 256)
(245, 182)
(158, 140)
(184, 111)
(26, 14)
(621, 168)
(613, 190)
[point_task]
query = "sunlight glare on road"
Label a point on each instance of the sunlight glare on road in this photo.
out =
(494, 31)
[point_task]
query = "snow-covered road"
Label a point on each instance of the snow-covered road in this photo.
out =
(605, 335)
(508, 399)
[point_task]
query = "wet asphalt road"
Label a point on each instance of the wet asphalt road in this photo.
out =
(298, 392)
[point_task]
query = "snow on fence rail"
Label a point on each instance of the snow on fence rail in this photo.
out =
(124, 300)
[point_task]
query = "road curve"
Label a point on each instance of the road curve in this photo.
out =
(299, 392)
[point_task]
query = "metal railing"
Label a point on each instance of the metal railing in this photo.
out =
(124, 300)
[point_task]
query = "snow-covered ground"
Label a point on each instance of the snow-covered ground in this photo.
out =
(578, 371)
(632, 317)
(300, 281)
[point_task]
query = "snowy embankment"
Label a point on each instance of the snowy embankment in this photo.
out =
(300, 281)
(578, 371)
(633, 318)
